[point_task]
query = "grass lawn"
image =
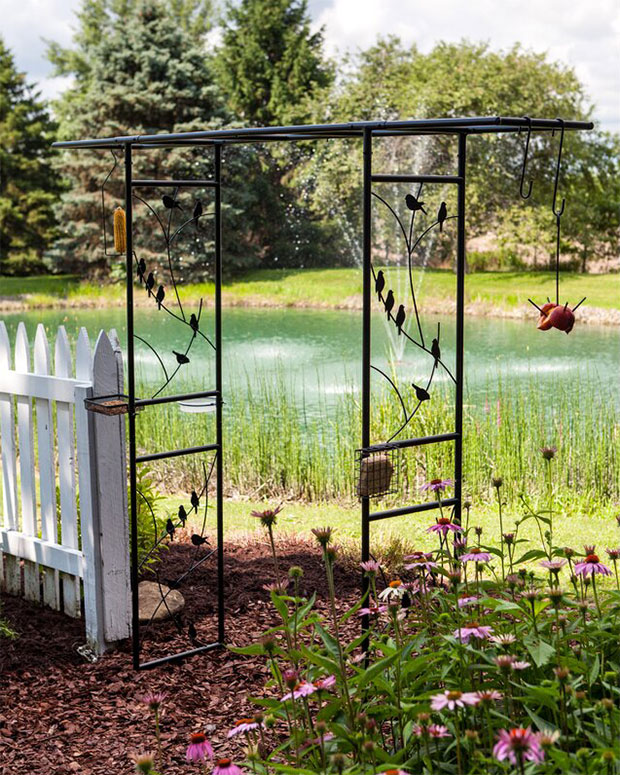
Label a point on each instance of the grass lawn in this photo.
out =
(409, 531)
(330, 288)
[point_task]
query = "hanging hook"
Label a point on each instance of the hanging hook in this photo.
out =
(527, 147)
(559, 212)
(103, 185)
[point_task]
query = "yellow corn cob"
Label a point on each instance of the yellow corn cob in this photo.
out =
(120, 244)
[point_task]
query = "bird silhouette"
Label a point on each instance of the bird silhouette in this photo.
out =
(389, 302)
(400, 319)
(193, 322)
(170, 203)
(379, 284)
(181, 358)
(161, 293)
(198, 540)
(182, 514)
(414, 204)
(150, 283)
(435, 351)
(191, 632)
(420, 393)
(141, 270)
(442, 215)
(195, 500)
(170, 529)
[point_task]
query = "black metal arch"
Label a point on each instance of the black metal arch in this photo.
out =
(367, 131)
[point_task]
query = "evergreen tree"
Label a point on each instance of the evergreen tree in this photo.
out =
(273, 72)
(271, 66)
(137, 71)
(28, 185)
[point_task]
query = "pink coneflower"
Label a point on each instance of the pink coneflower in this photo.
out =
(242, 726)
(475, 554)
(444, 526)
(420, 560)
(504, 639)
(459, 543)
(520, 664)
(302, 689)
(267, 517)
(322, 684)
(489, 695)
(453, 699)
(518, 745)
(432, 730)
(472, 630)
(555, 566)
(613, 554)
(395, 772)
(279, 587)
(226, 767)
(591, 565)
(372, 610)
(153, 699)
(199, 748)
(467, 600)
(437, 485)
(370, 566)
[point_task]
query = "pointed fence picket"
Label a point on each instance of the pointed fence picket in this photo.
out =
(63, 532)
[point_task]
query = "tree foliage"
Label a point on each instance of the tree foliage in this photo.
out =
(28, 185)
(390, 81)
(137, 71)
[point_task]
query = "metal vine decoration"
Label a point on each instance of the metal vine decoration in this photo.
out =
(421, 391)
(202, 549)
(552, 314)
(156, 291)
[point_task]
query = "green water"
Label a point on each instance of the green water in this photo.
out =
(317, 352)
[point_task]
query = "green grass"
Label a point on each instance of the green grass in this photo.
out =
(297, 519)
(272, 450)
(330, 288)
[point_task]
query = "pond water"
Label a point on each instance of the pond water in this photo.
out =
(318, 352)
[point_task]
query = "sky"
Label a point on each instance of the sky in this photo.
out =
(584, 34)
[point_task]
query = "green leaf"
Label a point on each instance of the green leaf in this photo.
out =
(280, 606)
(533, 554)
(540, 651)
(595, 670)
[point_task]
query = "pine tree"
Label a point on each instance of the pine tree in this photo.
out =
(138, 71)
(271, 66)
(273, 72)
(28, 185)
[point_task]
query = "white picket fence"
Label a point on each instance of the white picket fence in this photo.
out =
(64, 531)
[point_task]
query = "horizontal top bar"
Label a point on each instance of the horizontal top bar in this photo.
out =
(172, 399)
(175, 183)
(380, 178)
(487, 124)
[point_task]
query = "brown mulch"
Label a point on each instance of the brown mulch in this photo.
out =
(60, 714)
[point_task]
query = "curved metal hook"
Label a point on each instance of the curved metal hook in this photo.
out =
(559, 212)
(103, 185)
(527, 148)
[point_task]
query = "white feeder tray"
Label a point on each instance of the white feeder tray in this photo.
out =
(198, 405)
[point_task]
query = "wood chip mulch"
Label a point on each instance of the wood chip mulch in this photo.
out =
(60, 714)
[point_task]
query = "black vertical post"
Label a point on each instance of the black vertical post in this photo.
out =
(366, 347)
(131, 390)
(218, 387)
(460, 328)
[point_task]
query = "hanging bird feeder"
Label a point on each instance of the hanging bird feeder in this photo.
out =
(114, 404)
(378, 469)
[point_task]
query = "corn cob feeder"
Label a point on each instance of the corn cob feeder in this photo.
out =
(120, 230)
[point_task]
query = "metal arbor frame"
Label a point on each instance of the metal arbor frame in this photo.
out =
(367, 131)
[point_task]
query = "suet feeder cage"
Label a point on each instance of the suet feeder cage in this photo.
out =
(378, 471)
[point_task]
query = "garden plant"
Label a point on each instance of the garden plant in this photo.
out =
(476, 659)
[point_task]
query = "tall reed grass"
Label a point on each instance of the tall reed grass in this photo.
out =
(274, 446)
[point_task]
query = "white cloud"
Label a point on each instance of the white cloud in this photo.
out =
(584, 33)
